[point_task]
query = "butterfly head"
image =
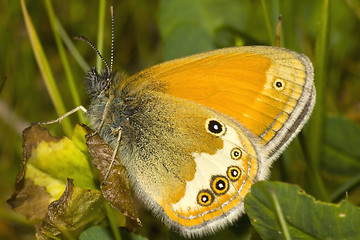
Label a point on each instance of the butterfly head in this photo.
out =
(98, 83)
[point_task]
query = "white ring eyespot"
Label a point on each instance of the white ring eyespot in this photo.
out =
(279, 84)
(215, 127)
(236, 154)
(233, 173)
(219, 184)
(205, 198)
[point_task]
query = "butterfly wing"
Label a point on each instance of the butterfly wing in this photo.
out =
(269, 90)
(191, 165)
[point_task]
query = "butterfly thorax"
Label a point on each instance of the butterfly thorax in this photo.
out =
(123, 96)
(103, 92)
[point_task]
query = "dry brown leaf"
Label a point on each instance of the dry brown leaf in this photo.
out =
(116, 188)
(75, 210)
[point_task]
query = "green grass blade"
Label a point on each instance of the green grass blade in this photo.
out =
(2, 83)
(64, 60)
(342, 190)
(317, 121)
(45, 70)
(100, 36)
(69, 43)
(112, 221)
(268, 22)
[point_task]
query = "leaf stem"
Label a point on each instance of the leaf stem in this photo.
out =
(280, 216)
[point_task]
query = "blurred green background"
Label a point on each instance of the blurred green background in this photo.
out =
(325, 160)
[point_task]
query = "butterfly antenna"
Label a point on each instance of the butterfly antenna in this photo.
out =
(97, 51)
(112, 38)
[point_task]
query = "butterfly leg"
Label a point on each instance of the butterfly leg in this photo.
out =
(106, 111)
(113, 157)
(58, 120)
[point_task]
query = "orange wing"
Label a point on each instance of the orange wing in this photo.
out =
(268, 90)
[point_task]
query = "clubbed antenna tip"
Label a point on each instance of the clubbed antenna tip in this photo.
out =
(95, 49)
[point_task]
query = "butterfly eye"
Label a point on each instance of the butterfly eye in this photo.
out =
(219, 184)
(236, 153)
(102, 85)
(234, 173)
(279, 84)
(215, 127)
(205, 198)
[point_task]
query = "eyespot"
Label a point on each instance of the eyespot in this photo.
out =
(215, 127)
(205, 198)
(279, 84)
(236, 153)
(219, 184)
(233, 173)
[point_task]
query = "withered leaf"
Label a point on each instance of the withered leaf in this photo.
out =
(28, 198)
(64, 207)
(75, 210)
(31, 200)
(46, 163)
(116, 188)
(32, 137)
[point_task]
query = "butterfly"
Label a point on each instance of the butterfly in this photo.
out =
(195, 133)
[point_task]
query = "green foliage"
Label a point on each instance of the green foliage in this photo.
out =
(342, 138)
(326, 160)
(191, 25)
(304, 217)
(95, 233)
(57, 161)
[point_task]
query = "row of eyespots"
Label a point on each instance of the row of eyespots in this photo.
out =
(219, 185)
(219, 129)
